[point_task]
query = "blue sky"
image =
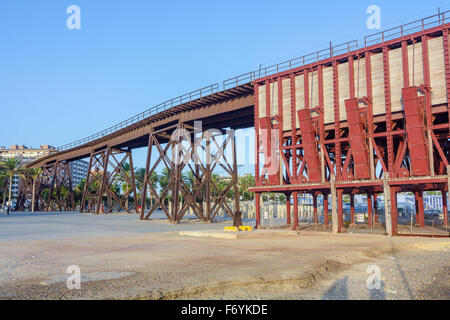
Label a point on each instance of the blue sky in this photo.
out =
(59, 85)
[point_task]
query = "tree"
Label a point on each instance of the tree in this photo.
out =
(139, 176)
(125, 186)
(3, 183)
(164, 178)
(34, 174)
(11, 166)
(245, 183)
(78, 191)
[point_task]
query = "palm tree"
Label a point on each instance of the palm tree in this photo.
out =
(34, 174)
(139, 176)
(164, 178)
(125, 186)
(11, 166)
(3, 182)
(245, 183)
(189, 180)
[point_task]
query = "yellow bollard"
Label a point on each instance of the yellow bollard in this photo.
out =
(230, 229)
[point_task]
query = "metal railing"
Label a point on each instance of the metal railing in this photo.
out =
(291, 64)
(408, 28)
(188, 97)
(396, 32)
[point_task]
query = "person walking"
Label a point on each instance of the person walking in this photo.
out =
(8, 207)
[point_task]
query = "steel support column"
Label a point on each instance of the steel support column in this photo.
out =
(352, 208)
(394, 211)
(258, 210)
(444, 208)
(375, 208)
(288, 209)
(369, 209)
(420, 215)
(340, 203)
(316, 217)
(295, 200)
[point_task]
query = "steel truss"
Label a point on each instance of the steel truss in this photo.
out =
(109, 186)
(53, 189)
(190, 162)
(404, 151)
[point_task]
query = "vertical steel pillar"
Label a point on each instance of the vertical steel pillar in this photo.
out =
(258, 210)
(237, 211)
(340, 202)
(420, 215)
(295, 196)
(256, 121)
(387, 97)
(104, 180)
(387, 204)
(176, 176)
(325, 209)
(83, 197)
(208, 177)
(293, 131)
(445, 37)
(370, 112)
(50, 191)
(375, 208)
(337, 129)
(444, 208)
(429, 116)
(369, 209)
(446, 198)
(416, 205)
(316, 218)
(352, 208)
(288, 209)
(334, 210)
(133, 181)
(146, 176)
(394, 211)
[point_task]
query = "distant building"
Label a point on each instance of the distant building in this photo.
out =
(26, 155)
(78, 171)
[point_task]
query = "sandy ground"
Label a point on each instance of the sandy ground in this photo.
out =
(152, 264)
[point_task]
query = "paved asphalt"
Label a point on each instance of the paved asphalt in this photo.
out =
(54, 225)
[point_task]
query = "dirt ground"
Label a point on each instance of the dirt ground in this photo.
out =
(164, 265)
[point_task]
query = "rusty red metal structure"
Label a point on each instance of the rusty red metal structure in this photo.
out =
(357, 118)
(367, 120)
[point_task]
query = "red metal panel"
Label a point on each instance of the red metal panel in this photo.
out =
(357, 139)
(271, 158)
(256, 113)
(337, 130)
(310, 148)
(280, 124)
(447, 68)
(387, 98)
(293, 130)
(415, 129)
